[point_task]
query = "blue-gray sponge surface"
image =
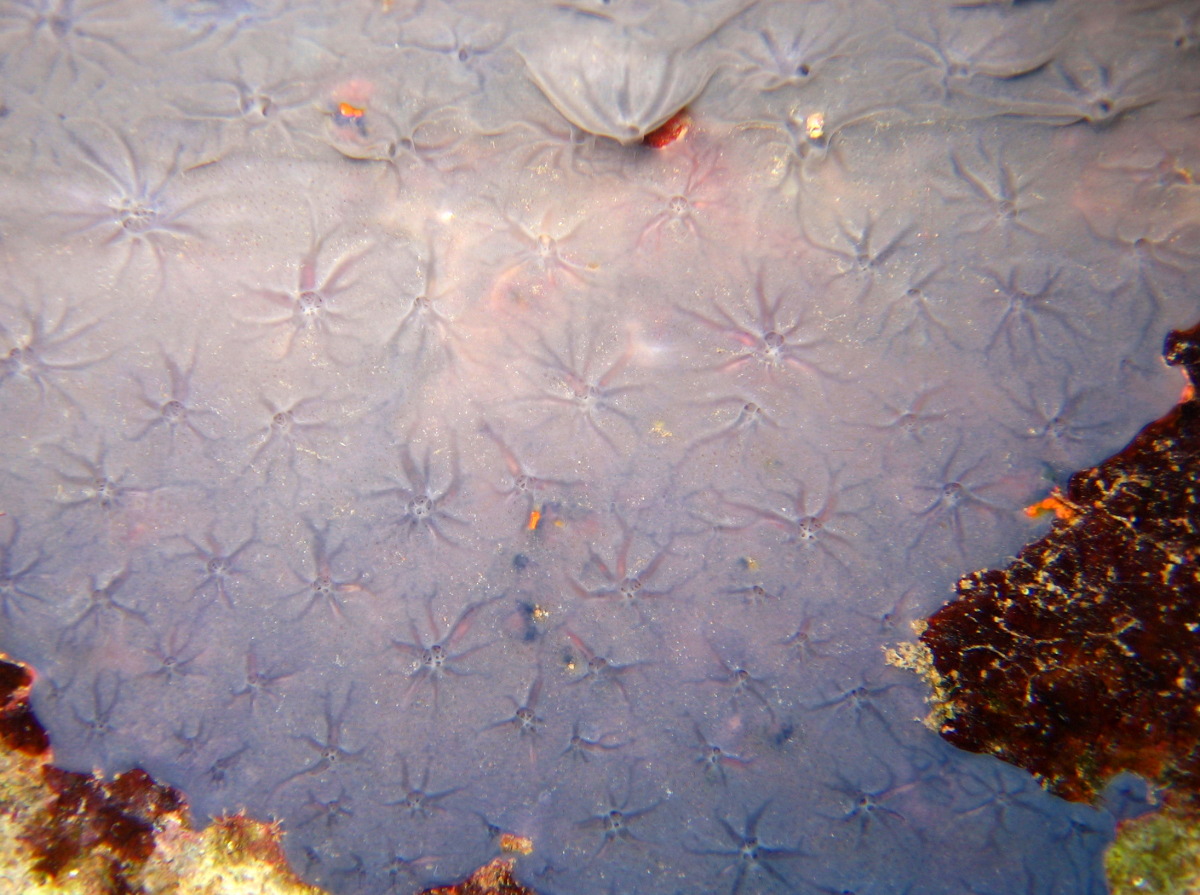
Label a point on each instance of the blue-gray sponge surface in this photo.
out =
(397, 443)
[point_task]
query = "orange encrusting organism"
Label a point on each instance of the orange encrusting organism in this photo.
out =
(1057, 504)
(673, 129)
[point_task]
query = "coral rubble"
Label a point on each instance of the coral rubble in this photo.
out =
(1080, 659)
(67, 832)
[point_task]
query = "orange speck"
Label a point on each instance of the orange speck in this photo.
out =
(535, 516)
(520, 845)
(1056, 504)
(814, 125)
(668, 132)
(348, 111)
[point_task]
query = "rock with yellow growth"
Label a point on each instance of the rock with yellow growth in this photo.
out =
(62, 832)
(495, 878)
(1158, 854)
